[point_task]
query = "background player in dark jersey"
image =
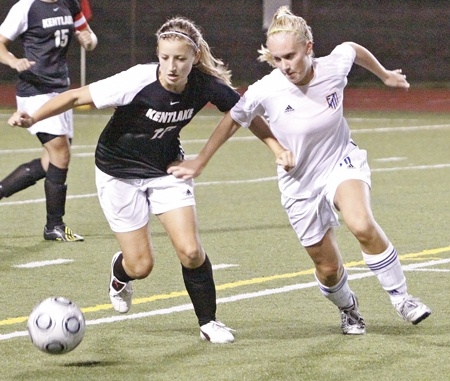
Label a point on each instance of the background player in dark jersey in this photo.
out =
(153, 103)
(46, 28)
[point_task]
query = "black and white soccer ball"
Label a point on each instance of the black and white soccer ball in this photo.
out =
(56, 325)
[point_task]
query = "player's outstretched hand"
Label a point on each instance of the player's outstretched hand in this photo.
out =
(395, 78)
(286, 159)
(185, 170)
(20, 119)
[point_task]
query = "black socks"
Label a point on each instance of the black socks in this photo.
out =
(200, 286)
(55, 195)
(119, 272)
(24, 176)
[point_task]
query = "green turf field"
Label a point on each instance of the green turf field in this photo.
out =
(285, 329)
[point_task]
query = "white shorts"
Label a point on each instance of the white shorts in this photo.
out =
(127, 203)
(311, 218)
(61, 124)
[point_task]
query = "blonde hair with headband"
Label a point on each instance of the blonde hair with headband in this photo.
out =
(284, 21)
(182, 35)
(180, 27)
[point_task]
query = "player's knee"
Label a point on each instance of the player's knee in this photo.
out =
(364, 229)
(141, 271)
(191, 257)
(328, 272)
(141, 268)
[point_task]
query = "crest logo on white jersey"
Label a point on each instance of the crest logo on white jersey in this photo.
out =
(333, 100)
(288, 109)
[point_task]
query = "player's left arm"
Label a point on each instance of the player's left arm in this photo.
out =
(189, 169)
(83, 32)
(364, 58)
(87, 38)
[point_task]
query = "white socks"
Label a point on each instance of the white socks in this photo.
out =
(386, 266)
(340, 294)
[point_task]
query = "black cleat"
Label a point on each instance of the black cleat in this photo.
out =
(61, 233)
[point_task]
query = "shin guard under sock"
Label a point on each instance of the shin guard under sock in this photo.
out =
(55, 195)
(200, 286)
(24, 176)
(386, 266)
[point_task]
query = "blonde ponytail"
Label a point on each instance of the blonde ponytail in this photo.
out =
(284, 21)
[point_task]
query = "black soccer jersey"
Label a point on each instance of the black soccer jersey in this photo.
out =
(45, 30)
(143, 136)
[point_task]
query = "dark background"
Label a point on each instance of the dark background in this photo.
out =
(411, 34)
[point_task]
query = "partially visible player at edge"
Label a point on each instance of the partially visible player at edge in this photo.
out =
(153, 103)
(45, 28)
(321, 169)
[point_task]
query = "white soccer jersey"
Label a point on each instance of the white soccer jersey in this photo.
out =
(307, 120)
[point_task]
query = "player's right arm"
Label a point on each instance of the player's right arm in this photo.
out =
(7, 58)
(55, 106)
(261, 130)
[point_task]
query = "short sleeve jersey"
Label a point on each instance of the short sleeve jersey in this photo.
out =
(307, 120)
(45, 30)
(143, 136)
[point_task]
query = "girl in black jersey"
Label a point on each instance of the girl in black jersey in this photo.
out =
(45, 28)
(153, 103)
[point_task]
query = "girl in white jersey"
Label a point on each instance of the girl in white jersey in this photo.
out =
(153, 102)
(46, 28)
(320, 168)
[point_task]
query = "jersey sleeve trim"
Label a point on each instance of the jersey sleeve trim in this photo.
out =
(80, 22)
(121, 88)
(16, 21)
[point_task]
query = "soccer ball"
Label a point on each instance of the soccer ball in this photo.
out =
(56, 325)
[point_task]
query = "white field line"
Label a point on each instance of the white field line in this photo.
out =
(412, 168)
(421, 270)
(249, 138)
(228, 182)
(400, 129)
(61, 261)
(107, 116)
(221, 266)
(390, 159)
(32, 265)
(229, 299)
(246, 138)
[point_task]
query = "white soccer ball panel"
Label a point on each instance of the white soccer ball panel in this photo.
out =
(56, 325)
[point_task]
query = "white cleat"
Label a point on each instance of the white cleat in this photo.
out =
(216, 332)
(413, 310)
(352, 321)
